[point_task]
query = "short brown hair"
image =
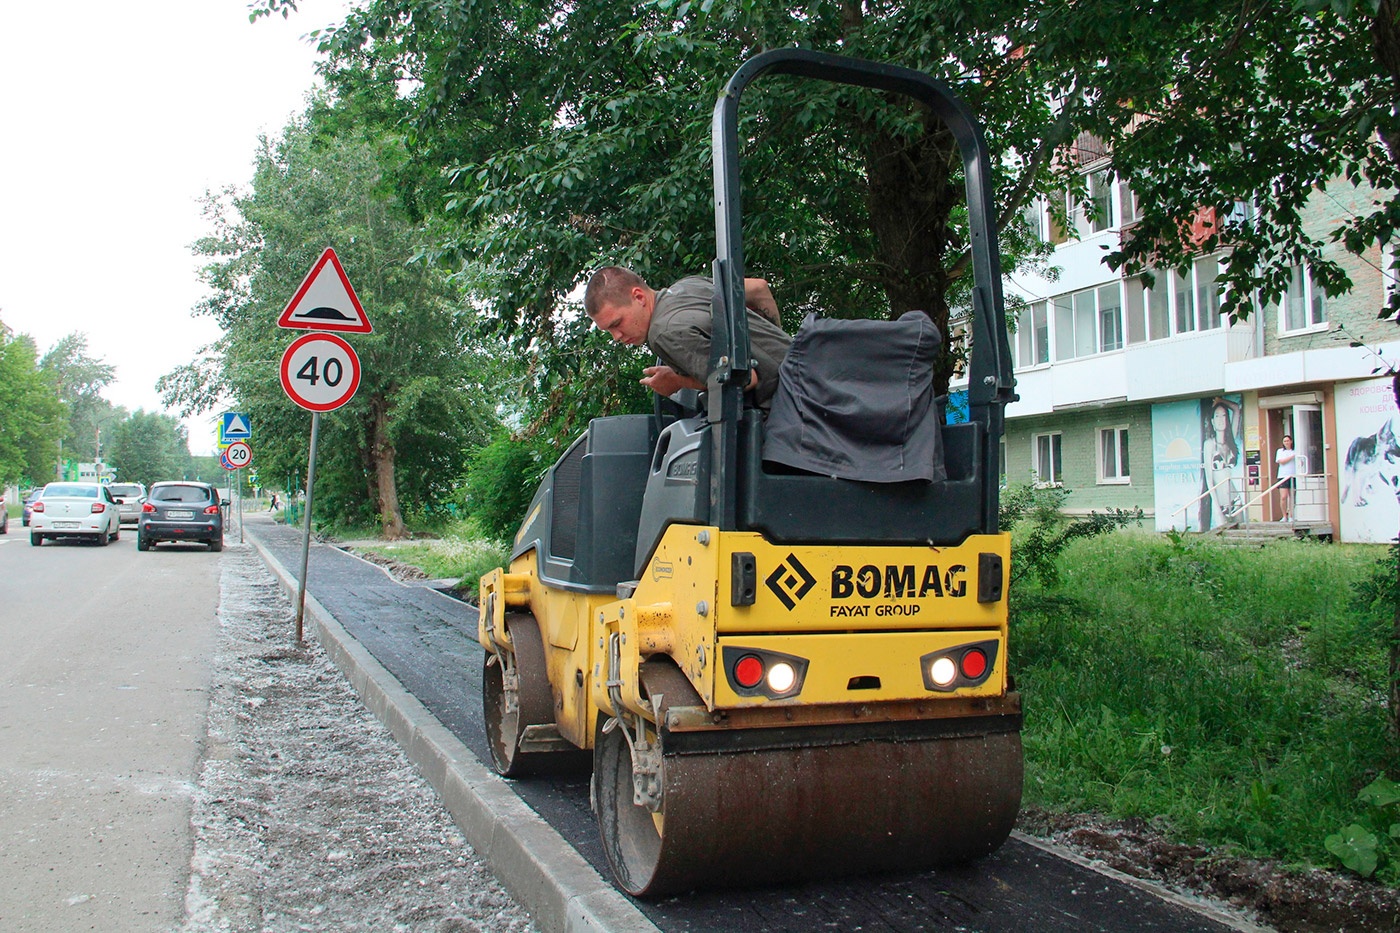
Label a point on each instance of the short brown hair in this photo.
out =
(609, 285)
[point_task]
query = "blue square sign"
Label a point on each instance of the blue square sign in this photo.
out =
(236, 426)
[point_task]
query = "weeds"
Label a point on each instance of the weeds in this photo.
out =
(1373, 839)
(1235, 694)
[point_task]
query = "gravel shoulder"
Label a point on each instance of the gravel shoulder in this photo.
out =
(307, 815)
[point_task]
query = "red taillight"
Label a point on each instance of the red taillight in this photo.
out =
(211, 510)
(37, 507)
(99, 507)
(974, 664)
(748, 671)
(147, 507)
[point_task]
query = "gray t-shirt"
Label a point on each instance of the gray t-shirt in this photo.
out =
(680, 334)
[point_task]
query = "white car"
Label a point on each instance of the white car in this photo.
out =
(130, 497)
(79, 510)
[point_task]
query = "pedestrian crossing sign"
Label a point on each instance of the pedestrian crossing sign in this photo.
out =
(234, 426)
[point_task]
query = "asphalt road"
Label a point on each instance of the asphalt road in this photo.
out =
(104, 677)
(429, 645)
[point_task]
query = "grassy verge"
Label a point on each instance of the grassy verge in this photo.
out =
(457, 553)
(1234, 695)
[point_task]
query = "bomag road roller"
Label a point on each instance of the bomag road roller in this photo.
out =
(780, 673)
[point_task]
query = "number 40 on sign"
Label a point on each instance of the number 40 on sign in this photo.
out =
(320, 372)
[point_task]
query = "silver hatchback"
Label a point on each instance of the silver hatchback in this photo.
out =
(130, 497)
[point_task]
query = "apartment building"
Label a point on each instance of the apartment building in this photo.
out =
(1140, 395)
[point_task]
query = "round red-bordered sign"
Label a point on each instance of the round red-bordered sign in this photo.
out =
(320, 372)
(237, 456)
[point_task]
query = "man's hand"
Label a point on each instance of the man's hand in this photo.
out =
(663, 380)
(759, 297)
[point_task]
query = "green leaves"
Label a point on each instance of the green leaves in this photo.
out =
(1374, 839)
(1357, 848)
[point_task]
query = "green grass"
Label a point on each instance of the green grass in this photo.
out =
(457, 552)
(1234, 695)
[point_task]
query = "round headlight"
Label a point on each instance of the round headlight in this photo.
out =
(942, 671)
(781, 677)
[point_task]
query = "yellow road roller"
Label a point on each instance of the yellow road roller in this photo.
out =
(782, 669)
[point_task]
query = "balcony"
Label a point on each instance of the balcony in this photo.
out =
(1187, 365)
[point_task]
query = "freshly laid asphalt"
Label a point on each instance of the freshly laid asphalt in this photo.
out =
(411, 653)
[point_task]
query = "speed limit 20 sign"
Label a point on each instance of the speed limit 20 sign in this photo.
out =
(320, 372)
(237, 456)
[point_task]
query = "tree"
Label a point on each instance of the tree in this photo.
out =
(556, 139)
(79, 379)
(32, 418)
(1228, 118)
(149, 447)
(423, 395)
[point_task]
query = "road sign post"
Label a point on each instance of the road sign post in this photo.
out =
(320, 371)
(235, 457)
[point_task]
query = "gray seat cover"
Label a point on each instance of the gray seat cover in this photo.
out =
(855, 400)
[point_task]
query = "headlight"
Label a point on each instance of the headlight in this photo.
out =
(942, 671)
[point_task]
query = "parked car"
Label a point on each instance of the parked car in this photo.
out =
(130, 497)
(181, 511)
(74, 510)
(29, 498)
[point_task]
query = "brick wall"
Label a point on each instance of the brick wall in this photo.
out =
(1079, 455)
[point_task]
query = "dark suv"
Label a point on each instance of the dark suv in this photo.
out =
(181, 512)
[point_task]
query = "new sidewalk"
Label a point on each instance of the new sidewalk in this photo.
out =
(369, 623)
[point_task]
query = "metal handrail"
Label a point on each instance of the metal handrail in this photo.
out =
(1194, 501)
(1260, 497)
(1277, 483)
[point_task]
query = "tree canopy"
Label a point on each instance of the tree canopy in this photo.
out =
(424, 392)
(149, 447)
(32, 418)
(552, 139)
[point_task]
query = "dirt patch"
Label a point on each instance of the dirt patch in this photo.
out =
(404, 573)
(308, 816)
(1289, 900)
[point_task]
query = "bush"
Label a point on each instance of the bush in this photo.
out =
(500, 482)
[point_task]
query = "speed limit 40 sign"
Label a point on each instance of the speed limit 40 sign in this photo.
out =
(320, 372)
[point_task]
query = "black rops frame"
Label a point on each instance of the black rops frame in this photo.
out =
(991, 385)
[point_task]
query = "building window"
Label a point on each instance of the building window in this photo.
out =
(1113, 454)
(1305, 304)
(1095, 215)
(1088, 322)
(1033, 216)
(1110, 299)
(1047, 459)
(1128, 205)
(1032, 336)
(1174, 303)
(1207, 273)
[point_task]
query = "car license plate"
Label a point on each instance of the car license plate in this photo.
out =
(180, 514)
(65, 524)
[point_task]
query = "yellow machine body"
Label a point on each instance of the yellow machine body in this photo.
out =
(863, 624)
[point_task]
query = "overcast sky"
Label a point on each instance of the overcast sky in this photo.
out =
(116, 118)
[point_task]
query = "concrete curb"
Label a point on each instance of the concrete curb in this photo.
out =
(553, 882)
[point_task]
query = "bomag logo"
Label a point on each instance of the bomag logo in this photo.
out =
(898, 581)
(790, 581)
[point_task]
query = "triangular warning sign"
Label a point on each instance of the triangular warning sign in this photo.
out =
(325, 301)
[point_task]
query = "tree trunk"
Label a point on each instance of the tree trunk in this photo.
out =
(382, 448)
(911, 200)
(1395, 619)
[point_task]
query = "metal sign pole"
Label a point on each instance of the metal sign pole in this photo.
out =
(306, 525)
